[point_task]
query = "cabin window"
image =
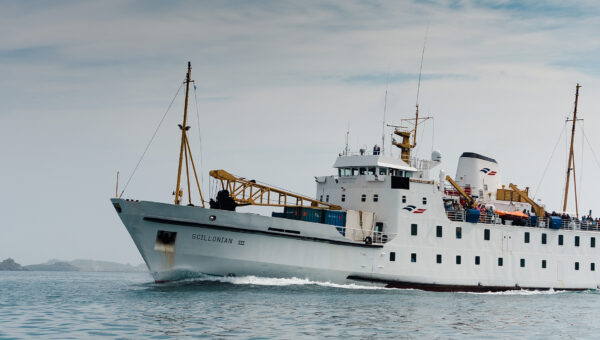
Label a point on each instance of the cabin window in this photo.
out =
(477, 260)
(321, 198)
(576, 241)
(375, 198)
(458, 259)
(354, 171)
(438, 231)
(424, 200)
(592, 266)
(327, 198)
(458, 232)
(500, 262)
(347, 172)
(413, 229)
(576, 265)
(526, 237)
(543, 264)
(413, 257)
(486, 234)
(392, 256)
(438, 258)
(370, 171)
(560, 240)
(403, 199)
(544, 238)
(383, 171)
(522, 263)
(363, 198)
(362, 171)
(593, 242)
(408, 174)
(343, 198)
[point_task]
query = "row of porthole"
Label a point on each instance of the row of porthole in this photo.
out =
(413, 259)
(487, 236)
(363, 198)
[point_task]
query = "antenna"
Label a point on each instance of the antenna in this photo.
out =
(387, 82)
(347, 136)
(419, 86)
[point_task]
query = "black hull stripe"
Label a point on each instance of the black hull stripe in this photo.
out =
(453, 288)
(250, 231)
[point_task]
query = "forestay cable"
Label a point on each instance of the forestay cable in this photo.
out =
(549, 160)
(150, 142)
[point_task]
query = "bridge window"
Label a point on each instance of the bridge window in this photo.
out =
(413, 229)
(560, 240)
(413, 257)
(543, 264)
(438, 258)
(375, 198)
(477, 260)
(576, 241)
(526, 237)
(438, 231)
(354, 171)
(576, 265)
(486, 234)
(544, 238)
(458, 232)
(370, 171)
(500, 262)
(363, 171)
(383, 171)
(343, 198)
(523, 263)
(392, 256)
(593, 242)
(363, 198)
(458, 259)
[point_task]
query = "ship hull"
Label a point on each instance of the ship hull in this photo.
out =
(178, 242)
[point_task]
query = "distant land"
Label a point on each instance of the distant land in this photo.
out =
(75, 265)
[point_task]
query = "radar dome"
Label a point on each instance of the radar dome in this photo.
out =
(436, 156)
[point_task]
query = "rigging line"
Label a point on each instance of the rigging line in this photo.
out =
(581, 167)
(150, 142)
(549, 160)
(199, 138)
(387, 83)
(590, 145)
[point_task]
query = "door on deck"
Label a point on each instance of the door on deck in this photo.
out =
(506, 241)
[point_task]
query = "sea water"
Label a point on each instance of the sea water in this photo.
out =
(76, 305)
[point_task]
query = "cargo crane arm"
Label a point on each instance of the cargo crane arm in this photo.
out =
(248, 192)
(539, 210)
(470, 200)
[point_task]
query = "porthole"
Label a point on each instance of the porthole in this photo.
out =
(212, 217)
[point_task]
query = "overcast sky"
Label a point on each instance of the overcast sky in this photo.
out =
(84, 84)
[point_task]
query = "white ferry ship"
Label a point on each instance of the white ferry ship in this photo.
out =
(377, 219)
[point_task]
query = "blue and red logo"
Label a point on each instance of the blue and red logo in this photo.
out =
(414, 209)
(488, 172)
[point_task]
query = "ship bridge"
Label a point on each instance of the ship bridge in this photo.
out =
(354, 165)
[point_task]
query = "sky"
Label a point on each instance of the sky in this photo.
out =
(84, 85)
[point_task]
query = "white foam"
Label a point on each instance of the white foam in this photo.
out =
(522, 292)
(294, 281)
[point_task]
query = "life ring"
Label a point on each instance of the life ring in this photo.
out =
(368, 240)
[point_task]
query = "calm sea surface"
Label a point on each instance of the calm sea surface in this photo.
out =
(69, 305)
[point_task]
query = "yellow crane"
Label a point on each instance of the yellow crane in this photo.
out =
(470, 200)
(248, 192)
(539, 210)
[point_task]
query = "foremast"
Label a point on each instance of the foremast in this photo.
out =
(184, 150)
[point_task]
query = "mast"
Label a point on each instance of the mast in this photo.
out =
(571, 163)
(183, 127)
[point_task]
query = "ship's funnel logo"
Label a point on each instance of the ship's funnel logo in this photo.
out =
(414, 209)
(488, 172)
